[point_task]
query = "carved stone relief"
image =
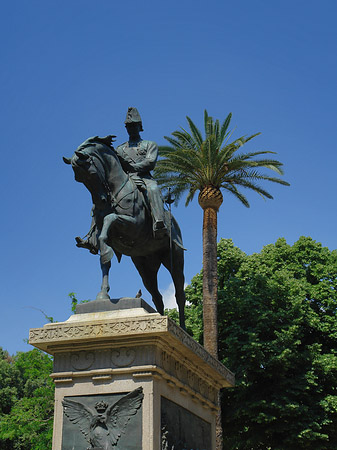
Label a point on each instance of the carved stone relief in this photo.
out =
(61, 333)
(123, 357)
(103, 421)
(166, 362)
(82, 360)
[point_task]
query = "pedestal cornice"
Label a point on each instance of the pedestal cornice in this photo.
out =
(107, 329)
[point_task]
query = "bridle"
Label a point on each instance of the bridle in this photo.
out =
(115, 202)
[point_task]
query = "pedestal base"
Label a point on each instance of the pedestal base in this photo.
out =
(101, 357)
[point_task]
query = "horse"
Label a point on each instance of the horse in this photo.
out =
(123, 222)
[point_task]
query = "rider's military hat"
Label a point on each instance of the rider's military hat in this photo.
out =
(133, 116)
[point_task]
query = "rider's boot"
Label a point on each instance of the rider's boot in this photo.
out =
(89, 241)
(157, 210)
(81, 243)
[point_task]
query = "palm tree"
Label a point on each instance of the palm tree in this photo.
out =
(210, 164)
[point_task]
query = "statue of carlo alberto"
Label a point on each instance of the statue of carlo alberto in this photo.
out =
(138, 157)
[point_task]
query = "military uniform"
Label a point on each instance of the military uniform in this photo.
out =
(138, 159)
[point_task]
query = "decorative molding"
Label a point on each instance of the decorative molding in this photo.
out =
(199, 350)
(166, 362)
(101, 377)
(63, 379)
(82, 360)
(142, 372)
(180, 370)
(183, 391)
(169, 337)
(123, 356)
(64, 331)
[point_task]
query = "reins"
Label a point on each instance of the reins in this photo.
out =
(113, 198)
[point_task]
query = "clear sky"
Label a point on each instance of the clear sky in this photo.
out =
(70, 69)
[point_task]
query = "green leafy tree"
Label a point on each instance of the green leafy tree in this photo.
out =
(75, 301)
(209, 164)
(9, 382)
(27, 397)
(278, 333)
(26, 401)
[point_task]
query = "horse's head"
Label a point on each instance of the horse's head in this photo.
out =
(92, 165)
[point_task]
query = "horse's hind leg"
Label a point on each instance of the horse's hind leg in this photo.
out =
(148, 269)
(175, 266)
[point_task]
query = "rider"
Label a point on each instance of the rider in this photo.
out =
(138, 157)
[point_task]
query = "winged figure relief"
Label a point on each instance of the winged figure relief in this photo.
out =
(103, 428)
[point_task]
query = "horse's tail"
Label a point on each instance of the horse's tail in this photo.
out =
(174, 229)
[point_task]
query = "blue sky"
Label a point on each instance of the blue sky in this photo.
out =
(70, 69)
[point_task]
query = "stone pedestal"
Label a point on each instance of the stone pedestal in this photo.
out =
(101, 357)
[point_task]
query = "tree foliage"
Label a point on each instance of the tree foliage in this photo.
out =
(27, 397)
(277, 332)
(26, 401)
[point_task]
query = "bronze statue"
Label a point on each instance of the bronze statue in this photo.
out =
(103, 428)
(138, 157)
(128, 211)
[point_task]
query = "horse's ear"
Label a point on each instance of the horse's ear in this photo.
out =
(81, 155)
(66, 160)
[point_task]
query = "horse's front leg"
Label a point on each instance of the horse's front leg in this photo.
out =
(106, 252)
(111, 221)
(105, 288)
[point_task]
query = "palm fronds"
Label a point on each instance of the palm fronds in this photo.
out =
(192, 161)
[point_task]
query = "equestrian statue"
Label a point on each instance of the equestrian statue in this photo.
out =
(128, 215)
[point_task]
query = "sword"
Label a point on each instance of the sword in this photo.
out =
(169, 200)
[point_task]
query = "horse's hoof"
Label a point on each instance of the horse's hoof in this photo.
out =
(102, 296)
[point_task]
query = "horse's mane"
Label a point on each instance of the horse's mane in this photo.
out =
(98, 146)
(106, 141)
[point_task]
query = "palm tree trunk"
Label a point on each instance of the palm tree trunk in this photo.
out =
(210, 281)
(210, 199)
(210, 297)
